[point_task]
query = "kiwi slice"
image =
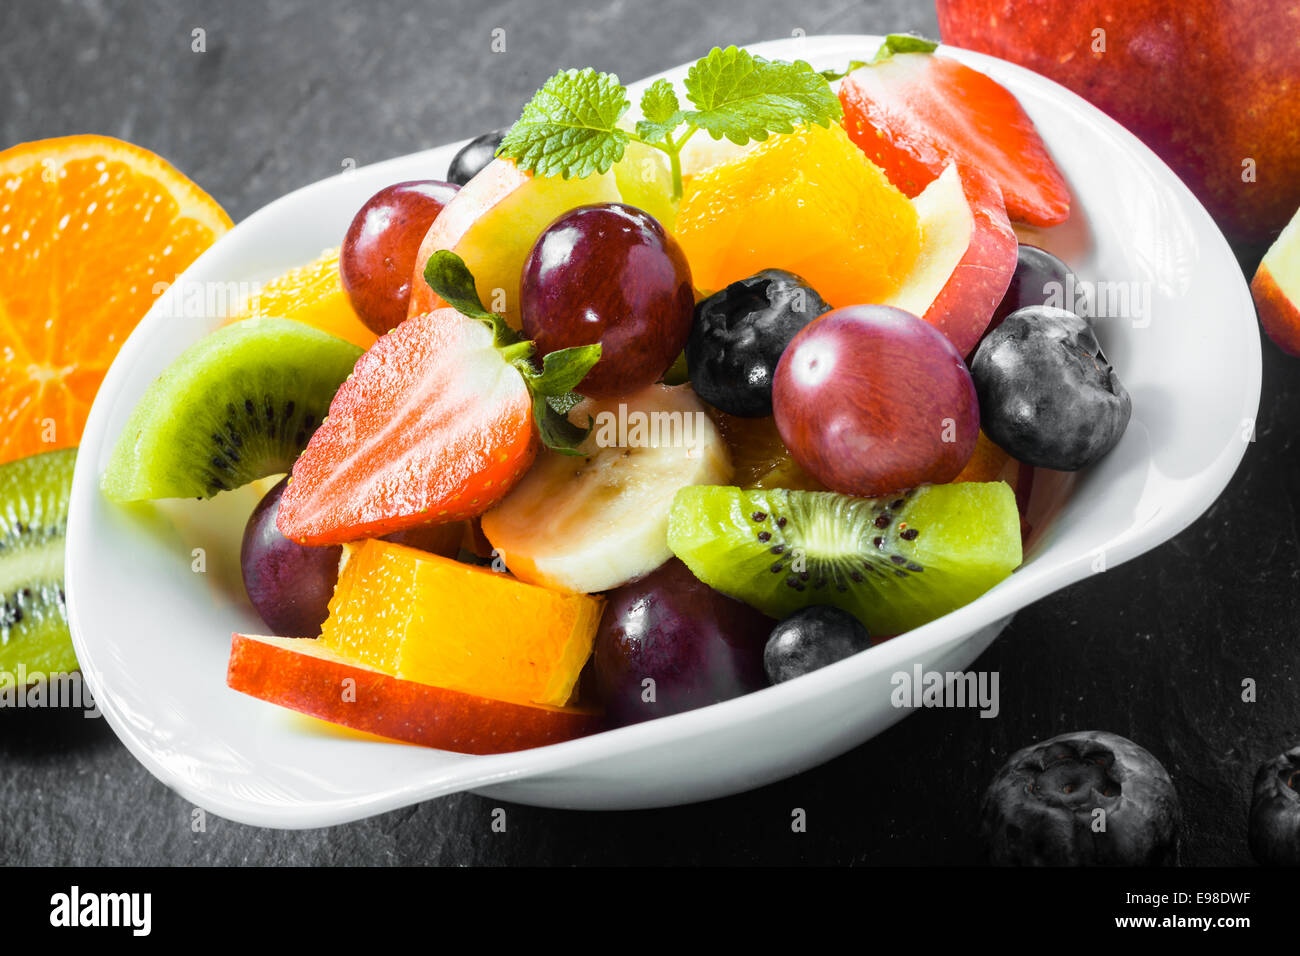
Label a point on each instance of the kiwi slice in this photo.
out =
(895, 563)
(33, 515)
(236, 406)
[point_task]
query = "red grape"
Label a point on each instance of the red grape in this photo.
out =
(697, 645)
(1039, 278)
(378, 257)
(289, 584)
(871, 400)
(609, 273)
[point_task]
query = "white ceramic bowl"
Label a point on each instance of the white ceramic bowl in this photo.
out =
(153, 635)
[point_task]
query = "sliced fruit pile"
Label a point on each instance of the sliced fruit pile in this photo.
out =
(707, 423)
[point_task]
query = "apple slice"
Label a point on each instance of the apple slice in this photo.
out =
(492, 224)
(303, 675)
(967, 257)
(1276, 288)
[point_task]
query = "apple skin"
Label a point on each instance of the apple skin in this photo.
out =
(492, 224)
(968, 256)
(1205, 84)
(1276, 289)
(1279, 316)
(300, 674)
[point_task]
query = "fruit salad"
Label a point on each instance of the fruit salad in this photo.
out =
(636, 411)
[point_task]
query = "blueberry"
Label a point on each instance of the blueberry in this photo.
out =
(739, 335)
(1042, 807)
(811, 638)
(1047, 394)
(473, 156)
(1275, 811)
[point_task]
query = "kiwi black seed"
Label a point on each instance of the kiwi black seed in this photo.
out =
(34, 634)
(895, 562)
(239, 405)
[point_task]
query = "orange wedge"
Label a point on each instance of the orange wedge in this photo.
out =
(809, 202)
(92, 229)
(425, 618)
(312, 294)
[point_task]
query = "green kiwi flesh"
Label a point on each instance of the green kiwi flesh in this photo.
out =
(236, 406)
(33, 517)
(895, 563)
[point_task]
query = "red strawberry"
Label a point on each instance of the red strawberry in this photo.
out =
(914, 113)
(433, 425)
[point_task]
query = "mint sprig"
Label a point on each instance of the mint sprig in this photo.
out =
(570, 127)
(551, 388)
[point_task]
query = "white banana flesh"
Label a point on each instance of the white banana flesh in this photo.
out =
(592, 522)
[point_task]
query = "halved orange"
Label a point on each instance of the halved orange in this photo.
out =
(313, 294)
(92, 230)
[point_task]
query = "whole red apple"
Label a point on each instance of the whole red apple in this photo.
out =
(1213, 87)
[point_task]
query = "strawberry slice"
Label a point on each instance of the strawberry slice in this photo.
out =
(913, 113)
(435, 424)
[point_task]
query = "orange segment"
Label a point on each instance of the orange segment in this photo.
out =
(312, 294)
(91, 231)
(429, 619)
(809, 202)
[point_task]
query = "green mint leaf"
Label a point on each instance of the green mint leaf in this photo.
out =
(830, 76)
(745, 97)
(568, 128)
(556, 431)
(904, 43)
(661, 111)
(562, 370)
(451, 279)
(659, 102)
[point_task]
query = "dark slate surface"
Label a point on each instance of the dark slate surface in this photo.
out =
(1155, 649)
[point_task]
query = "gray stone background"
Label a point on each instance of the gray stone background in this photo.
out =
(1155, 649)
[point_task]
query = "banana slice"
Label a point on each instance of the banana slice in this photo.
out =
(593, 522)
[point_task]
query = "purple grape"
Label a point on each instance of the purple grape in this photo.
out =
(289, 584)
(697, 645)
(1039, 276)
